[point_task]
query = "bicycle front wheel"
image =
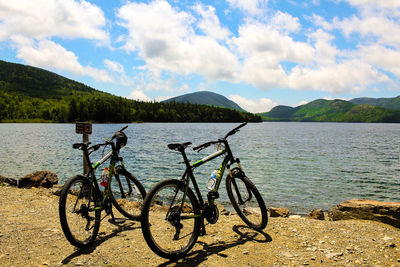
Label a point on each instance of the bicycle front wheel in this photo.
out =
(171, 219)
(127, 194)
(79, 218)
(246, 200)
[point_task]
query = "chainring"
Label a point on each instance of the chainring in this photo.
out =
(211, 213)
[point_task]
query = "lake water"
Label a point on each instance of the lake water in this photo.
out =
(301, 166)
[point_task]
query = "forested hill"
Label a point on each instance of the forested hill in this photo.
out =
(29, 94)
(35, 82)
(332, 111)
(391, 103)
(206, 98)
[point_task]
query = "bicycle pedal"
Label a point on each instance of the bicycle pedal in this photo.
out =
(202, 232)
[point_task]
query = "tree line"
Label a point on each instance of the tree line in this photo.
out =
(105, 108)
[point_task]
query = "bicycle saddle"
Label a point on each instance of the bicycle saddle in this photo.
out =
(179, 147)
(80, 145)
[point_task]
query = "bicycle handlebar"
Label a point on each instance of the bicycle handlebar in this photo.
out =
(201, 147)
(235, 130)
(83, 146)
(121, 130)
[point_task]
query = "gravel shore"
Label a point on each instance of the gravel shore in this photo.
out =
(31, 235)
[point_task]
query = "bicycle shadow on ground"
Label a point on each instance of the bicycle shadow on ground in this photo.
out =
(101, 238)
(246, 234)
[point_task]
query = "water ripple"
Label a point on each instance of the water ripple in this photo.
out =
(300, 166)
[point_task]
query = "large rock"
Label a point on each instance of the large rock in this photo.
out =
(278, 212)
(9, 181)
(40, 178)
(386, 212)
(316, 214)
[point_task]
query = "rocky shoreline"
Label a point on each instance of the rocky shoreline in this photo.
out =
(30, 235)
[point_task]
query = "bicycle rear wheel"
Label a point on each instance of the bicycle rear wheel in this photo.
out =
(169, 225)
(246, 200)
(127, 194)
(79, 218)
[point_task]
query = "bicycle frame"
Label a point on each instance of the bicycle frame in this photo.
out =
(189, 176)
(113, 154)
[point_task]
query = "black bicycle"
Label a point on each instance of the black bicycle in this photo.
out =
(82, 200)
(173, 215)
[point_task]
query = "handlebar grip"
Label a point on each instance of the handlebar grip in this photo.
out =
(123, 128)
(235, 130)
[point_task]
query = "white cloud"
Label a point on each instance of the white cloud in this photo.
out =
(320, 22)
(50, 55)
(285, 22)
(254, 106)
(263, 53)
(366, 65)
(377, 4)
(264, 49)
(264, 42)
(376, 21)
(139, 95)
(350, 76)
(165, 39)
(301, 103)
(385, 58)
(162, 98)
(325, 52)
(386, 30)
(251, 7)
(210, 24)
(30, 25)
(114, 66)
(46, 18)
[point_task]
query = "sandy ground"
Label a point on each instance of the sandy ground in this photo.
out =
(31, 235)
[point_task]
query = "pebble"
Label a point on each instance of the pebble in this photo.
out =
(387, 238)
(287, 255)
(333, 255)
(313, 249)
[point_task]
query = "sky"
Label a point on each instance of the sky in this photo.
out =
(258, 53)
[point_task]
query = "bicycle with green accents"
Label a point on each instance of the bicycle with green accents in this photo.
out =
(82, 201)
(173, 215)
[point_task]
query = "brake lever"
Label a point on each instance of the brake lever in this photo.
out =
(200, 149)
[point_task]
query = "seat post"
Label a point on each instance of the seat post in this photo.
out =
(185, 159)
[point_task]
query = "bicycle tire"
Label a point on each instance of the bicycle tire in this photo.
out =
(155, 216)
(80, 221)
(252, 211)
(128, 195)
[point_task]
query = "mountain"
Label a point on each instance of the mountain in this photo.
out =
(332, 111)
(36, 82)
(206, 98)
(392, 103)
(29, 94)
